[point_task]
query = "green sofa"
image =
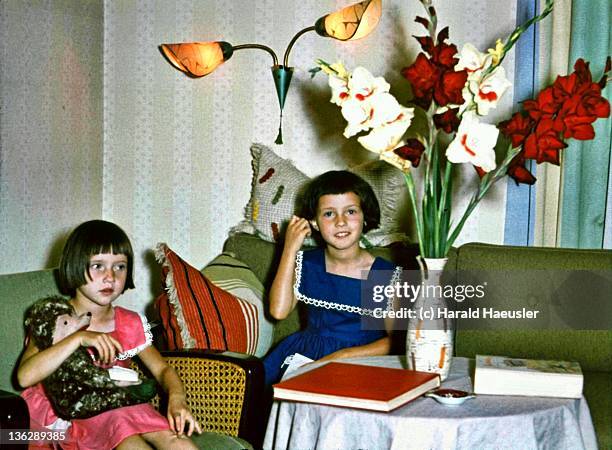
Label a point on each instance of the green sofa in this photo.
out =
(526, 280)
(518, 277)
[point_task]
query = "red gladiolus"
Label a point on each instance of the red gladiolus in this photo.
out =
(517, 128)
(447, 121)
(518, 172)
(444, 54)
(434, 76)
(480, 171)
(422, 75)
(449, 88)
(426, 42)
(544, 106)
(577, 127)
(411, 151)
(423, 21)
(544, 144)
(582, 71)
(593, 104)
(565, 87)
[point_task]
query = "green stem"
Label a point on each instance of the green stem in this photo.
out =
(430, 201)
(443, 212)
(435, 210)
(415, 211)
(516, 34)
(487, 181)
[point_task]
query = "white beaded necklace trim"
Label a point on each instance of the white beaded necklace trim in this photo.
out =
(332, 305)
(148, 340)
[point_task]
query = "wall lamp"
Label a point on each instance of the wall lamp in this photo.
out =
(197, 59)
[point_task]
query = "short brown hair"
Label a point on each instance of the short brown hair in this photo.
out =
(341, 182)
(88, 239)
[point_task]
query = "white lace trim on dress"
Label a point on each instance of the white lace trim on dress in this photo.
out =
(333, 305)
(148, 341)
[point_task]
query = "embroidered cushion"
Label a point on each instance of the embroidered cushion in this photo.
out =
(277, 184)
(195, 313)
(236, 277)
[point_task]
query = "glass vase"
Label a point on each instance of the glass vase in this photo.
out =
(430, 334)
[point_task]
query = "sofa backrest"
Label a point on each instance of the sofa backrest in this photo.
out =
(570, 287)
(17, 292)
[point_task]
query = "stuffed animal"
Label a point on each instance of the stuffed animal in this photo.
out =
(78, 389)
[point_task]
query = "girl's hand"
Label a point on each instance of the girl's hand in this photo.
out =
(106, 346)
(180, 415)
(297, 230)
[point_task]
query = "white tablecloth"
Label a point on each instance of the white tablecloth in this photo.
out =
(485, 422)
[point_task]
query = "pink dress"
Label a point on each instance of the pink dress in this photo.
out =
(106, 430)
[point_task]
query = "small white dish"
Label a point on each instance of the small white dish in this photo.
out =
(449, 397)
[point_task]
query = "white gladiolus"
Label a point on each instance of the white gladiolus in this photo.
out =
(339, 88)
(473, 61)
(357, 115)
(474, 143)
(388, 136)
(362, 84)
(365, 101)
(487, 92)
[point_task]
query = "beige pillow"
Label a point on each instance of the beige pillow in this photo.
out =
(277, 184)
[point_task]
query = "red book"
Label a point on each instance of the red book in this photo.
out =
(357, 386)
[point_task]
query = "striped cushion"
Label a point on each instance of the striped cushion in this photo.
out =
(236, 277)
(197, 314)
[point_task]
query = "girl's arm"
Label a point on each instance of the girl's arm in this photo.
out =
(178, 413)
(282, 299)
(376, 348)
(36, 365)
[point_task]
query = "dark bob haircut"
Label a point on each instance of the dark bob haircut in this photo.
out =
(341, 182)
(88, 239)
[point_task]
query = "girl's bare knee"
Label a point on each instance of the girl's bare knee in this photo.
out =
(135, 442)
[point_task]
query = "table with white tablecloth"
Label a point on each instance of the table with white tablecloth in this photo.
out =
(495, 422)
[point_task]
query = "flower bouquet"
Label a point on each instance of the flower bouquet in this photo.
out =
(454, 90)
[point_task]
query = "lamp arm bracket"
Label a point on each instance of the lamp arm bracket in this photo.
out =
(295, 38)
(260, 46)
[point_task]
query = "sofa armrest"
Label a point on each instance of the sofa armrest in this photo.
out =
(225, 391)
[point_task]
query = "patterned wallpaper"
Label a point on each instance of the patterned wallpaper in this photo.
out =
(50, 126)
(167, 157)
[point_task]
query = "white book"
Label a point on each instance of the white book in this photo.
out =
(500, 375)
(118, 373)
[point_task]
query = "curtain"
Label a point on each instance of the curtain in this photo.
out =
(586, 164)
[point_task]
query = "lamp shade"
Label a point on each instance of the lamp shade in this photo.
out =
(350, 23)
(197, 59)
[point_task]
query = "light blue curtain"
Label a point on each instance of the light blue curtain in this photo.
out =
(586, 164)
(520, 199)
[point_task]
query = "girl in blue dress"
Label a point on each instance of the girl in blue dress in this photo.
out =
(339, 206)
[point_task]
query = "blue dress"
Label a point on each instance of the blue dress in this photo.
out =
(335, 310)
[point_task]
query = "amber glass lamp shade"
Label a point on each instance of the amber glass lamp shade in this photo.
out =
(351, 23)
(197, 59)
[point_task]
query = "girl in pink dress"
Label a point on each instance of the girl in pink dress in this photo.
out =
(95, 269)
